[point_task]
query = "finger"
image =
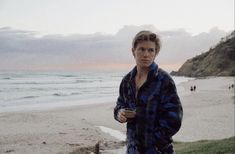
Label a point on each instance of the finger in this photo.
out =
(122, 113)
(123, 119)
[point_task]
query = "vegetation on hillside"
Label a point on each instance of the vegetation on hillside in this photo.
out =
(225, 146)
(218, 61)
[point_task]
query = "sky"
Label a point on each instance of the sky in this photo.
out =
(108, 16)
(88, 34)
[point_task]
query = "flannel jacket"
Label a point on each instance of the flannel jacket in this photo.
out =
(158, 112)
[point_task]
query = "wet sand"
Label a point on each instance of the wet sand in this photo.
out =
(208, 114)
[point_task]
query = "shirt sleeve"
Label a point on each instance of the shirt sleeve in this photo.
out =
(170, 114)
(120, 104)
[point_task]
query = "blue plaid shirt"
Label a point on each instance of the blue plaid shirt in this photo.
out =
(158, 112)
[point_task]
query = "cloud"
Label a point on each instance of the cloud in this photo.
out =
(24, 50)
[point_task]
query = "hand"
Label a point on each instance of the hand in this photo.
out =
(121, 116)
(129, 113)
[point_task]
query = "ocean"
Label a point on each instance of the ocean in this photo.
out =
(46, 90)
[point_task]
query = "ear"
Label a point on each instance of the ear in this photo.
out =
(133, 52)
(156, 54)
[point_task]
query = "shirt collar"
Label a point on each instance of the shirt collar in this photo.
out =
(153, 71)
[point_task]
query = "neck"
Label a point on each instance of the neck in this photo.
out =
(142, 72)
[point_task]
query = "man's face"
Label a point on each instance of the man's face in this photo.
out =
(144, 53)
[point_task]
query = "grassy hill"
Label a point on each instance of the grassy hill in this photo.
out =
(218, 61)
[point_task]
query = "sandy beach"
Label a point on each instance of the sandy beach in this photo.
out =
(208, 114)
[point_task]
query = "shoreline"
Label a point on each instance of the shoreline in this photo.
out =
(208, 114)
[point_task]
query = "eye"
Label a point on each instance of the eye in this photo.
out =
(151, 50)
(141, 49)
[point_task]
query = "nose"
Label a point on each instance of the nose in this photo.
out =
(146, 53)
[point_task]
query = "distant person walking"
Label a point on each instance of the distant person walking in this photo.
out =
(191, 88)
(148, 101)
(232, 86)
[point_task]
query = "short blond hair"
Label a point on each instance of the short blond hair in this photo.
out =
(146, 36)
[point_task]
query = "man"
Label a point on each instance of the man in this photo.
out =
(148, 101)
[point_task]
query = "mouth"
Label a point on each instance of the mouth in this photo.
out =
(144, 60)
